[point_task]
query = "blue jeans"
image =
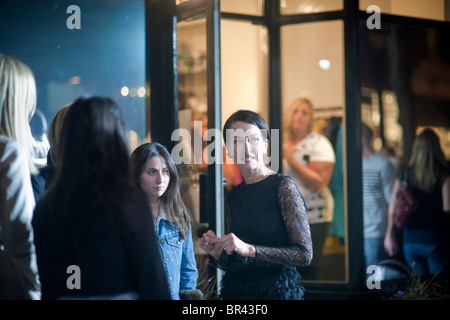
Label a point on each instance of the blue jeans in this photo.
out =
(374, 251)
(426, 258)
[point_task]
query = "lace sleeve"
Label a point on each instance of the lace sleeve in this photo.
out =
(293, 210)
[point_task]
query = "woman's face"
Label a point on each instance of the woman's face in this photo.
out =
(302, 118)
(249, 146)
(155, 178)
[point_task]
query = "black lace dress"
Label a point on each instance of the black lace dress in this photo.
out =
(270, 214)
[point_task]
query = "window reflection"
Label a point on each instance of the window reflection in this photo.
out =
(251, 7)
(309, 6)
(424, 9)
(315, 71)
(104, 56)
(244, 56)
(192, 115)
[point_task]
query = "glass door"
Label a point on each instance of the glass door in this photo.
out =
(199, 124)
(312, 73)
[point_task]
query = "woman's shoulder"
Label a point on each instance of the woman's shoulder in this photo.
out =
(315, 137)
(287, 182)
(10, 150)
(136, 211)
(135, 198)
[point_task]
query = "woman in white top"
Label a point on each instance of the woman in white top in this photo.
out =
(309, 159)
(18, 269)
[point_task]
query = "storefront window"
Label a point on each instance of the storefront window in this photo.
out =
(433, 10)
(81, 48)
(244, 54)
(315, 71)
(193, 107)
(250, 7)
(309, 6)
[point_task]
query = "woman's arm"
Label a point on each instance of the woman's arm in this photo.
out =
(294, 213)
(390, 243)
(293, 210)
(16, 213)
(189, 272)
(316, 176)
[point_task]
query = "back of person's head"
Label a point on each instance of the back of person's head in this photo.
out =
(366, 132)
(427, 159)
(366, 136)
(17, 103)
(54, 131)
(92, 182)
(171, 199)
(94, 152)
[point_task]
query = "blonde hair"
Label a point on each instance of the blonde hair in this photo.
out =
(427, 160)
(289, 115)
(17, 104)
(54, 132)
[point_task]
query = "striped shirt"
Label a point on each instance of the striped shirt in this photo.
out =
(378, 178)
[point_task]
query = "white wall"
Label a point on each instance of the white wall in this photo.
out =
(302, 46)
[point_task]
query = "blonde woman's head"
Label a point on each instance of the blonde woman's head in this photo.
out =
(17, 103)
(289, 116)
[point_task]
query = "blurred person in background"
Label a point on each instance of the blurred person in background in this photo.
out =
(426, 237)
(18, 269)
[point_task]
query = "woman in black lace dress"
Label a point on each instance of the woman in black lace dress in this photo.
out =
(267, 230)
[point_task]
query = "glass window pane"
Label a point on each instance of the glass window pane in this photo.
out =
(244, 67)
(405, 84)
(309, 6)
(425, 9)
(251, 7)
(192, 114)
(312, 64)
(98, 48)
(244, 72)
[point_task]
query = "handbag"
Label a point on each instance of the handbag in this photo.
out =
(407, 202)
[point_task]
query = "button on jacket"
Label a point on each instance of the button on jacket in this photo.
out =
(178, 257)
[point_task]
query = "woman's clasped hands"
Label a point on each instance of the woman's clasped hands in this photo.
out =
(214, 245)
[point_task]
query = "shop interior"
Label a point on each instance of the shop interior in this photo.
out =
(211, 58)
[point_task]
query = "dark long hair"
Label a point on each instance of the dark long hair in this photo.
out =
(171, 201)
(93, 174)
(428, 160)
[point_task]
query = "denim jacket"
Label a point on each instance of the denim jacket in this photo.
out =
(178, 257)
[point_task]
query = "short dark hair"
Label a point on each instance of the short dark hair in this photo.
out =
(246, 116)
